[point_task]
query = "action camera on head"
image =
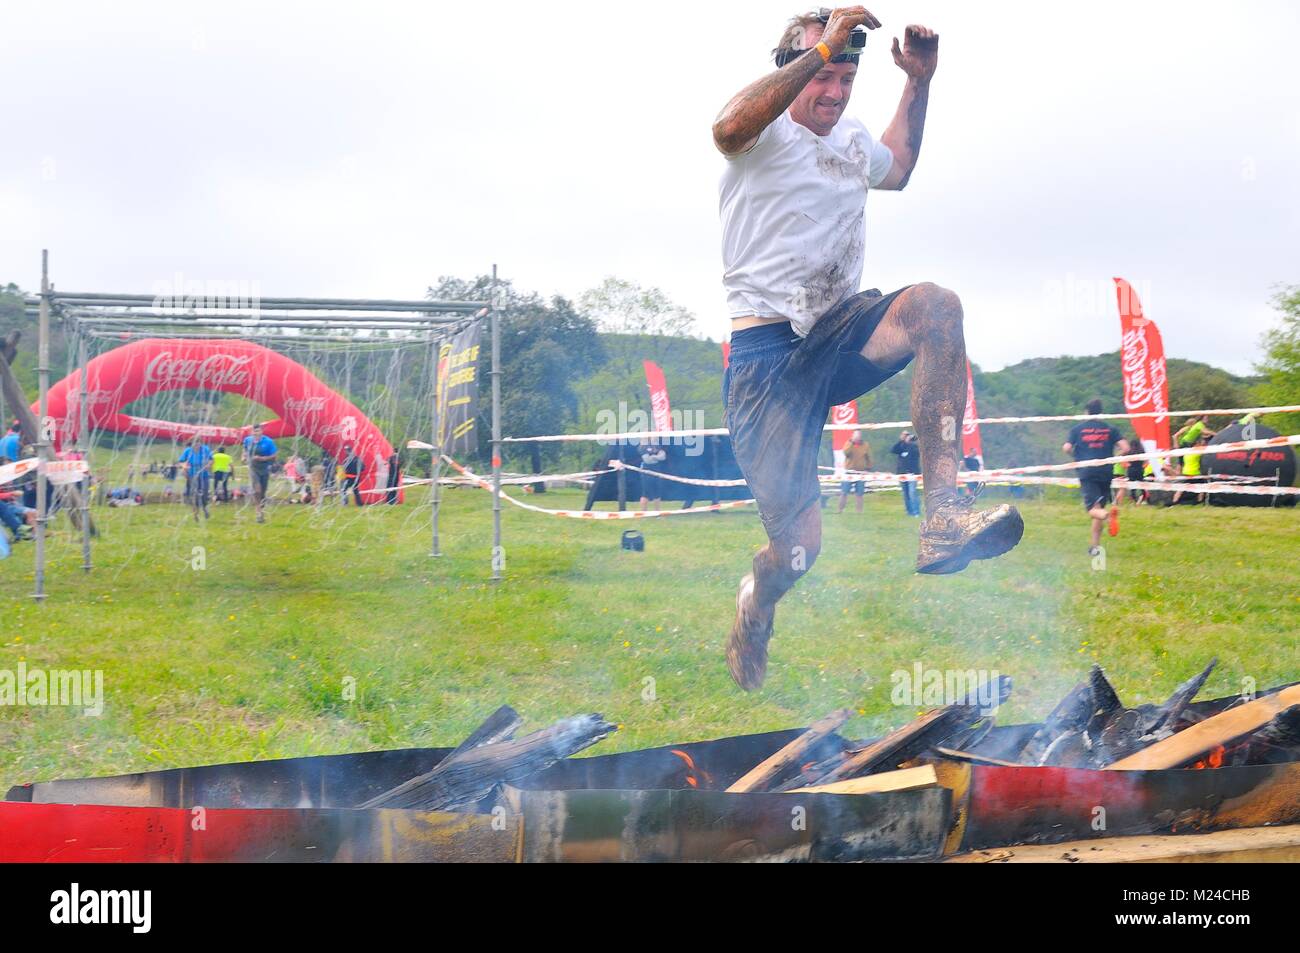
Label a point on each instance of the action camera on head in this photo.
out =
(853, 48)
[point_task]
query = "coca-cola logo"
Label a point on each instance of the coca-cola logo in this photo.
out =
(305, 405)
(845, 413)
(659, 407)
(216, 371)
(1133, 357)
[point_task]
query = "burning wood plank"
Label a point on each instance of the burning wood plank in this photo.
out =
(902, 743)
(1215, 732)
(1282, 732)
(471, 775)
(969, 756)
(937, 726)
(905, 779)
(762, 775)
(1167, 715)
(1060, 740)
(1091, 727)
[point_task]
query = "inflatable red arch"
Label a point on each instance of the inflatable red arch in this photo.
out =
(306, 407)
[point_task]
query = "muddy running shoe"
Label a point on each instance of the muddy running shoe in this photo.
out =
(1113, 521)
(955, 534)
(747, 644)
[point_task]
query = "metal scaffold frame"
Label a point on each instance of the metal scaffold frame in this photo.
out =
(101, 314)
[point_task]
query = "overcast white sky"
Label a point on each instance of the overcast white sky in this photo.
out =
(364, 149)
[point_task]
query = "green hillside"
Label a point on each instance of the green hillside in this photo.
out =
(1038, 386)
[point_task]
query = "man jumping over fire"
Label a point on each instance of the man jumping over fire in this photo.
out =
(803, 339)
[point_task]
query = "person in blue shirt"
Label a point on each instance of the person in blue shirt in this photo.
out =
(259, 452)
(197, 460)
(11, 443)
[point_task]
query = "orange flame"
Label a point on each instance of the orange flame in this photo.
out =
(693, 773)
(1213, 760)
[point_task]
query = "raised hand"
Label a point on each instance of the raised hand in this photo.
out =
(919, 54)
(843, 21)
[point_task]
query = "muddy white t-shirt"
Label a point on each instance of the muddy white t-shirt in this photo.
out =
(792, 208)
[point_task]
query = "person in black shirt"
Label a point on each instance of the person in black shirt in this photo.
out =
(908, 451)
(973, 464)
(352, 470)
(1135, 472)
(1096, 440)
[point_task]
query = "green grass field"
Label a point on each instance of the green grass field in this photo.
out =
(248, 657)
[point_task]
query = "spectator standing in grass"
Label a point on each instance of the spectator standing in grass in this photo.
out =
(908, 451)
(653, 459)
(353, 467)
(223, 471)
(857, 456)
(11, 443)
(1192, 432)
(1134, 472)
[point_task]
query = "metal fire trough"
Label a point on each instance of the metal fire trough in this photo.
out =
(655, 804)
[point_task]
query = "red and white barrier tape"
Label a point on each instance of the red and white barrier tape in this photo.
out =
(881, 480)
(1187, 486)
(648, 435)
(693, 481)
(596, 514)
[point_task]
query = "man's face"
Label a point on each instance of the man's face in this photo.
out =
(821, 103)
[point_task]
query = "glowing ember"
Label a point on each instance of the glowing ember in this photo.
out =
(1213, 760)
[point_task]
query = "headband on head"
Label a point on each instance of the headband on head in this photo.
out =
(789, 56)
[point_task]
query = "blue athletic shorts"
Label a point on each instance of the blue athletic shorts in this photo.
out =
(778, 389)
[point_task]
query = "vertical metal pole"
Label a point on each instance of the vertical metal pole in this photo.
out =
(83, 444)
(435, 469)
(497, 553)
(42, 431)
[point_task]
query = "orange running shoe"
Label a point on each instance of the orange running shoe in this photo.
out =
(1113, 522)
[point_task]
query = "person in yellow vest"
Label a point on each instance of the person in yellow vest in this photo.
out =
(223, 471)
(1193, 432)
(1192, 467)
(857, 456)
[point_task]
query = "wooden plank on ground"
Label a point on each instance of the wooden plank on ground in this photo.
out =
(1247, 845)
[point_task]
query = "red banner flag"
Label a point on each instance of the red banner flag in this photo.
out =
(843, 414)
(660, 411)
(970, 430)
(1146, 382)
(726, 354)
